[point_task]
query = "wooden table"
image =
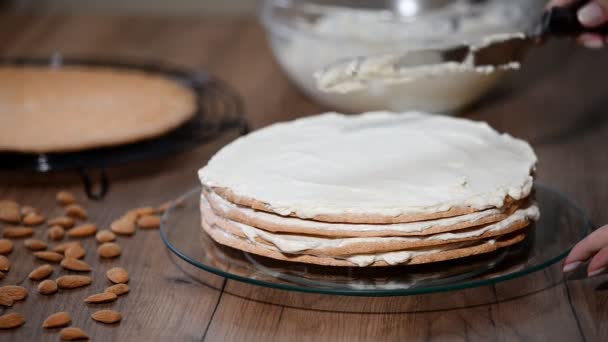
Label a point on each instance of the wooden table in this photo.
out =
(559, 103)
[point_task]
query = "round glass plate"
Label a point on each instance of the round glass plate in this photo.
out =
(561, 225)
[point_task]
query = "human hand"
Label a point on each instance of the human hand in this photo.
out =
(593, 14)
(594, 247)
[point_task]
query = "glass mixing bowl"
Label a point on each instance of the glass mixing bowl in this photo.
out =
(307, 35)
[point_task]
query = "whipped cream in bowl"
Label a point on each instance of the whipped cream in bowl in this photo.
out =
(307, 36)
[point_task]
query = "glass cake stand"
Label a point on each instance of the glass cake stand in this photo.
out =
(561, 225)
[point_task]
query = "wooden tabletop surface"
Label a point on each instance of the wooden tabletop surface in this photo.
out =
(559, 103)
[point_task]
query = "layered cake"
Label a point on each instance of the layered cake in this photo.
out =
(374, 189)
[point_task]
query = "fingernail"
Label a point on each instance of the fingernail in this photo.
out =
(591, 14)
(596, 272)
(571, 266)
(593, 43)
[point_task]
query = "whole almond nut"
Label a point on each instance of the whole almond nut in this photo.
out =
(6, 299)
(62, 247)
(35, 244)
(65, 197)
(5, 264)
(6, 246)
(84, 230)
(47, 287)
(48, 256)
(76, 211)
(28, 209)
(74, 264)
(143, 211)
(109, 250)
(33, 219)
(11, 320)
(118, 289)
(130, 216)
(104, 297)
(123, 227)
(75, 251)
(148, 222)
(55, 233)
(9, 211)
(41, 272)
(17, 232)
(118, 275)
(107, 316)
(105, 236)
(62, 221)
(15, 291)
(73, 334)
(56, 320)
(73, 281)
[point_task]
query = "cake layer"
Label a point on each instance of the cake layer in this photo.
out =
(323, 246)
(281, 224)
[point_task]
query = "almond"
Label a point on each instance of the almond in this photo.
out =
(148, 222)
(2, 275)
(118, 289)
(74, 264)
(130, 217)
(62, 247)
(9, 211)
(73, 281)
(11, 320)
(83, 230)
(75, 251)
(123, 226)
(55, 233)
(62, 221)
(56, 320)
(17, 232)
(41, 272)
(143, 211)
(6, 299)
(118, 275)
(76, 211)
(35, 244)
(33, 219)
(109, 250)
(6, 246)
(15, 291)
(48, 256)
(105, 236)
(5, 264)
(65, 197)
(107, 316)
(104, 297)
(72, 334)
(47, 287)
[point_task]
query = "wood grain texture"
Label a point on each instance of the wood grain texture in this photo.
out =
(558, 102)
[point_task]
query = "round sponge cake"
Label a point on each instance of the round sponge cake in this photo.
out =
(74, 108)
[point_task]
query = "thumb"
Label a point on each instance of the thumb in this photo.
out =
(594, 13)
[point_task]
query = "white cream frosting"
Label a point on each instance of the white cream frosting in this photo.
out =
(409, 227)
(386, 69)
(299, 244)
(377, 163)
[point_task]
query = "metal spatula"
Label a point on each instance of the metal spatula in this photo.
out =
(499, 53)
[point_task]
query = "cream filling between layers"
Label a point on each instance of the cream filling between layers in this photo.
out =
(297, 244)
(418, 226)
(376, 163)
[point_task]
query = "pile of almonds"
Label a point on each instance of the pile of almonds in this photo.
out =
(68, 255)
